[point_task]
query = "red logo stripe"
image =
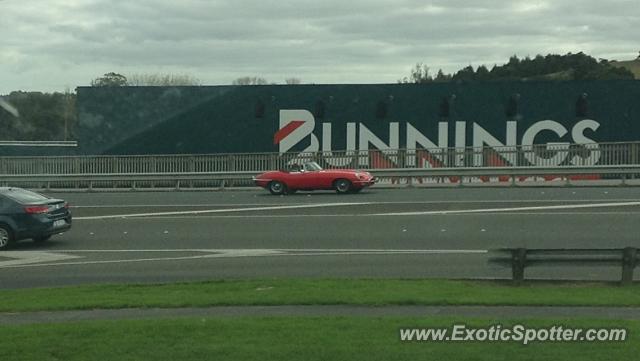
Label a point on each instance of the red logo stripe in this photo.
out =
(288, 129)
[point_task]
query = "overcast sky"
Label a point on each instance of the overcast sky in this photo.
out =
(50, 45)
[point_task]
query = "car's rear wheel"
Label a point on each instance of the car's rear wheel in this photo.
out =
(277, 188)
(6, 236)
(342, 186)
(41, 239)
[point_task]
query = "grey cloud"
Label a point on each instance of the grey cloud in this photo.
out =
(54, 43)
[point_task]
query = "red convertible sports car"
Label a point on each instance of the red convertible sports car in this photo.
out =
(310, 176)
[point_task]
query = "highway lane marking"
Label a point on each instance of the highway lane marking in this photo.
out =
(186, 205)
(227, 253)
(207, 211)
(19, 258)
(105, 262)
(373, 202)
(511, 201)
(172, 214)
(232, 250)
(360, 215)
(512, 209)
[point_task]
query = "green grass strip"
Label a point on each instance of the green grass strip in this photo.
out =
(292, 338)
(319, 292)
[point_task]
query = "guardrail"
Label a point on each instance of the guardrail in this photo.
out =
(520, 258)
(177, 180)
(548, 155)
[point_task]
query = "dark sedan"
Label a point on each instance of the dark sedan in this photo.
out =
(25, 214)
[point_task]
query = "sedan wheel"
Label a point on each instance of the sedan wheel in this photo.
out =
(277, 187)
(342, 186)
(5, 237)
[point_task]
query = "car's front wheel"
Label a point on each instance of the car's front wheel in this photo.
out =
(277, 188)
(342, 186)
(5, 236)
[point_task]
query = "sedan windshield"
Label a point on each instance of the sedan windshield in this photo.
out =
(312, 166)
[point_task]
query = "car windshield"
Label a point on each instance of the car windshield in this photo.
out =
(312, 166)
(24, 196)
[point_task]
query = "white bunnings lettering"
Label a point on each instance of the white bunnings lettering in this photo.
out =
(298, 125)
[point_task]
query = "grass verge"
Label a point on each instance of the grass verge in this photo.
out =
(319, 292)
(291, 338)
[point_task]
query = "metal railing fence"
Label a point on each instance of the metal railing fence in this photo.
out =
(549, 155)
(244, 178)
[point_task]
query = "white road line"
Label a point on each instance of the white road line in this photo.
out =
(516, 211)
(361, 215)
(171, 214)
(184, 205)
(378, 202)
(207, 211)
(234, 253)
(109, 261)
(232, 250)
(255, 216)
(512, 209)
(556, 200)
(18, 258)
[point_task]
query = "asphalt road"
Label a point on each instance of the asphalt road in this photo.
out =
(396, 233)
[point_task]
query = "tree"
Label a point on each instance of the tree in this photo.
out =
(419, 74)
(293, 81)
(560, 67)
(43, 116)
(162, 80)
(465, 74)
(442, 77)
(68, 112)
(550, 67)
(250, 80)
(9, 108)
(110, 79)
(482, 73)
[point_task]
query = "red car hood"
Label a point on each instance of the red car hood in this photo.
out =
(344, 171)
